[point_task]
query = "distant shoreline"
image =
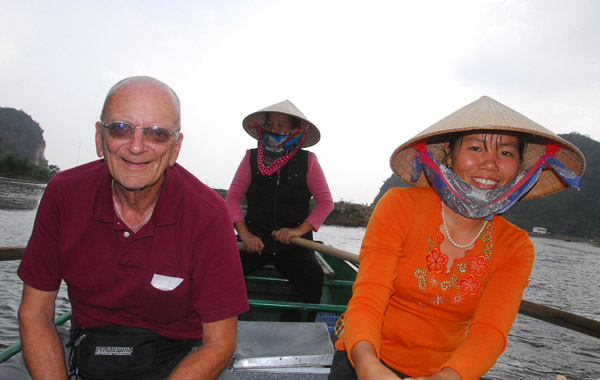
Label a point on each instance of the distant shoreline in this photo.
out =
(571, 239)
(344, 214)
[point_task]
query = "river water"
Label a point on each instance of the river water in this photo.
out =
(565, 276)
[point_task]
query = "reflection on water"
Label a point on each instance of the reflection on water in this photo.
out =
(564, 276)
(18, 206)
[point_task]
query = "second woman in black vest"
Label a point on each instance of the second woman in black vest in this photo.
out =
(278, 179)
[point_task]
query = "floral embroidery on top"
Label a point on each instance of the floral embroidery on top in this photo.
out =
(420, 274)
(436, 261)
(478, 265)
(448, 284)
(470, 285)
(438, 300)
(471, 267)
(487, 241)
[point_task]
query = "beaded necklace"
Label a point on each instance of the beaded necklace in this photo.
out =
(450, 237)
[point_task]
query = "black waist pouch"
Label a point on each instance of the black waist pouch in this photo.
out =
(124, 353)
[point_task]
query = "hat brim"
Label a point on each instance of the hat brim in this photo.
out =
(488, 115)
(252, 122)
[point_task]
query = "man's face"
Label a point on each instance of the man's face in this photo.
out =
(135, 162)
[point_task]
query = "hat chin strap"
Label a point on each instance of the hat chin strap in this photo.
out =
(472, 202)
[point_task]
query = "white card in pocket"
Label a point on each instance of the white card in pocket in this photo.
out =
(165, 283)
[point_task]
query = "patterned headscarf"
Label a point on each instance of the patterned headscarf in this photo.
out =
(276, 149)
(467, 200)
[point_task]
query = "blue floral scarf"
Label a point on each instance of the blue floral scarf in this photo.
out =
(276, 149)
(469, 201)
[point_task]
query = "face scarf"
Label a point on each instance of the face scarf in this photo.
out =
(467, 200)
(276, 149)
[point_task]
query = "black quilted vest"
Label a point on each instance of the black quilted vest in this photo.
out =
(277, 200)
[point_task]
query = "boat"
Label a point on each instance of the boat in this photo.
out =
(268, 349)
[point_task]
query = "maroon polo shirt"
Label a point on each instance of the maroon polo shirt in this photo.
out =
(181, 269)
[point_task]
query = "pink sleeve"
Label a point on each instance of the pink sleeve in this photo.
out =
(317, 184)
(238, 188)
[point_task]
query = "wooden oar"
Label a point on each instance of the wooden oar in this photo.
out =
(11, 253)
(545, 313)
(314, 246)
(561, 318)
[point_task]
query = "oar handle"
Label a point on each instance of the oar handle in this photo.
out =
(313, 245)
(328, 250)
(561, 318)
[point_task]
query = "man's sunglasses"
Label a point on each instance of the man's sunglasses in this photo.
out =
(121, 130)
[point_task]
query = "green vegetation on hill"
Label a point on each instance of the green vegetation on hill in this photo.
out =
(349, 215)
(12, 166)
(22, 147)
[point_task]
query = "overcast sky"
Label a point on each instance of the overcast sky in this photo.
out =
(369, 74)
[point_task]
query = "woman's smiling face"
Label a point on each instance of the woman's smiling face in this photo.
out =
(486, 160)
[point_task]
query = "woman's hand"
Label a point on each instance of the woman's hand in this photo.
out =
(367, 365)
(253, 243)
(376, 371)
(444, 374)
(284, 235)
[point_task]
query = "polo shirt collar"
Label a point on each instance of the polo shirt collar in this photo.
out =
(103, 203)
(167, 207)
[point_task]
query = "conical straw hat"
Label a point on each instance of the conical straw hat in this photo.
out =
(488, 114)
(286, 107)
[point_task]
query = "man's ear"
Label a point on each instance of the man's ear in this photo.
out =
(176, 150)
(99, 139)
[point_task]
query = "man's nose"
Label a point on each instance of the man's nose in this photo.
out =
(136, 142)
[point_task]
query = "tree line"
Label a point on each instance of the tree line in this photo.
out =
(13, 166)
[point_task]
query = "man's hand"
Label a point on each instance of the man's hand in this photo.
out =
(207, 362)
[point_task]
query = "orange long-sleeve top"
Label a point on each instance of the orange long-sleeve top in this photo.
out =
(420, 318)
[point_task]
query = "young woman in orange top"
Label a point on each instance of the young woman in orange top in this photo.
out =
(441, 273)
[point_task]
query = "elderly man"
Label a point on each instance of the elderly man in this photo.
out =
(143, 246)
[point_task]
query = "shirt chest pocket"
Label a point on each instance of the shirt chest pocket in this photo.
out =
(168, 299)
